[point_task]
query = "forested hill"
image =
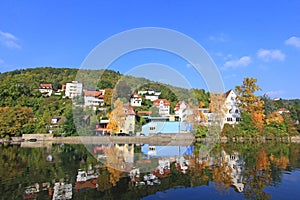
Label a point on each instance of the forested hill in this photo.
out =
(23, 109)
(19, 86)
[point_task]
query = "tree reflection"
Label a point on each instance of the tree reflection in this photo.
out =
(258, 178)
(197, 169)
(221, 173)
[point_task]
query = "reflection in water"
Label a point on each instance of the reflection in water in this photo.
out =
(131, 171)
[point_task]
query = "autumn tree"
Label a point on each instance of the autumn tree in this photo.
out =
(14, 121)
(258, 178)
(250, 103)
(108, 96)
(116, 117)
(217, 108)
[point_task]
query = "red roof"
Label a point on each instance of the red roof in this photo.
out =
(144, 112)
(227, 93)
(93, 93)
(129, 109)
(157, 102)
(177, 107)
(46, 86)
(91, 184)
(136, 96)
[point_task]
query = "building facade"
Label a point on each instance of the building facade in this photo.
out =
(73, 89)
(94, 98)
(136, 100)
(163, 106)
(232, 112)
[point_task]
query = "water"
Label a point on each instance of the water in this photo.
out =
(116, 171)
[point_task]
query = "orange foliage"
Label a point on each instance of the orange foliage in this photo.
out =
(258, 120)
(274, 117)
(262, 160)
(280, 162)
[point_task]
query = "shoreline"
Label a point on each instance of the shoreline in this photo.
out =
(162, 140)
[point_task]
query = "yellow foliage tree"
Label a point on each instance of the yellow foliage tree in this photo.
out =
(217, 107)
(115, 164)
(275, 117)
(117, 117)
(251, 103)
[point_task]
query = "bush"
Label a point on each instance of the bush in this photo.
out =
(201, 131)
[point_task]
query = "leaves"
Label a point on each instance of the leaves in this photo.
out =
(117, 117)
(250, 103)
(14, 120)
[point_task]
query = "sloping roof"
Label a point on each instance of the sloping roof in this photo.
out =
(177, 107)
(91, 184)
(93, 93)
(129, 109)
(157, 102)
(144, 112)
(46, 86)
(136, 96)
(227, 93)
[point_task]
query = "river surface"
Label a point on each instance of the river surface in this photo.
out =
(130, 171)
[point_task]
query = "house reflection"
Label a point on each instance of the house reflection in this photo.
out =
(236, 164)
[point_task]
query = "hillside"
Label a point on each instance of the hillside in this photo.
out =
(23, 109)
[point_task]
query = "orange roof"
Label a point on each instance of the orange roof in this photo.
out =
(86, 184)
(157, 102)
(144, 112)
(177, 107)
(93, 93)
(136, 96)
(46, 86)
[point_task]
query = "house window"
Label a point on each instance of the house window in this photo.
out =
(151, 148)
(229, 119)
(236, 111)
(238, 119)
(152, 128)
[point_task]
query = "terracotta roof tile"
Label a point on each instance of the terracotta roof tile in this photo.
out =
(46, 86)
(93, 93)
(157, 102)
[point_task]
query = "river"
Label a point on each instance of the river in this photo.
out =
(141, 171)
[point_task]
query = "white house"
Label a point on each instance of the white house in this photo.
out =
(163, 106)
(129, 120)
(150, 94)
(94, 98)
(73, 89)
(136, 100)
(232, 113)
(46, 89)
(182, 111)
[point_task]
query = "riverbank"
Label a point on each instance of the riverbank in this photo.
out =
(293, 139)
(166, 139)
(159, 139)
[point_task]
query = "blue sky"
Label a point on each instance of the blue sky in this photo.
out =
(258, 39)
